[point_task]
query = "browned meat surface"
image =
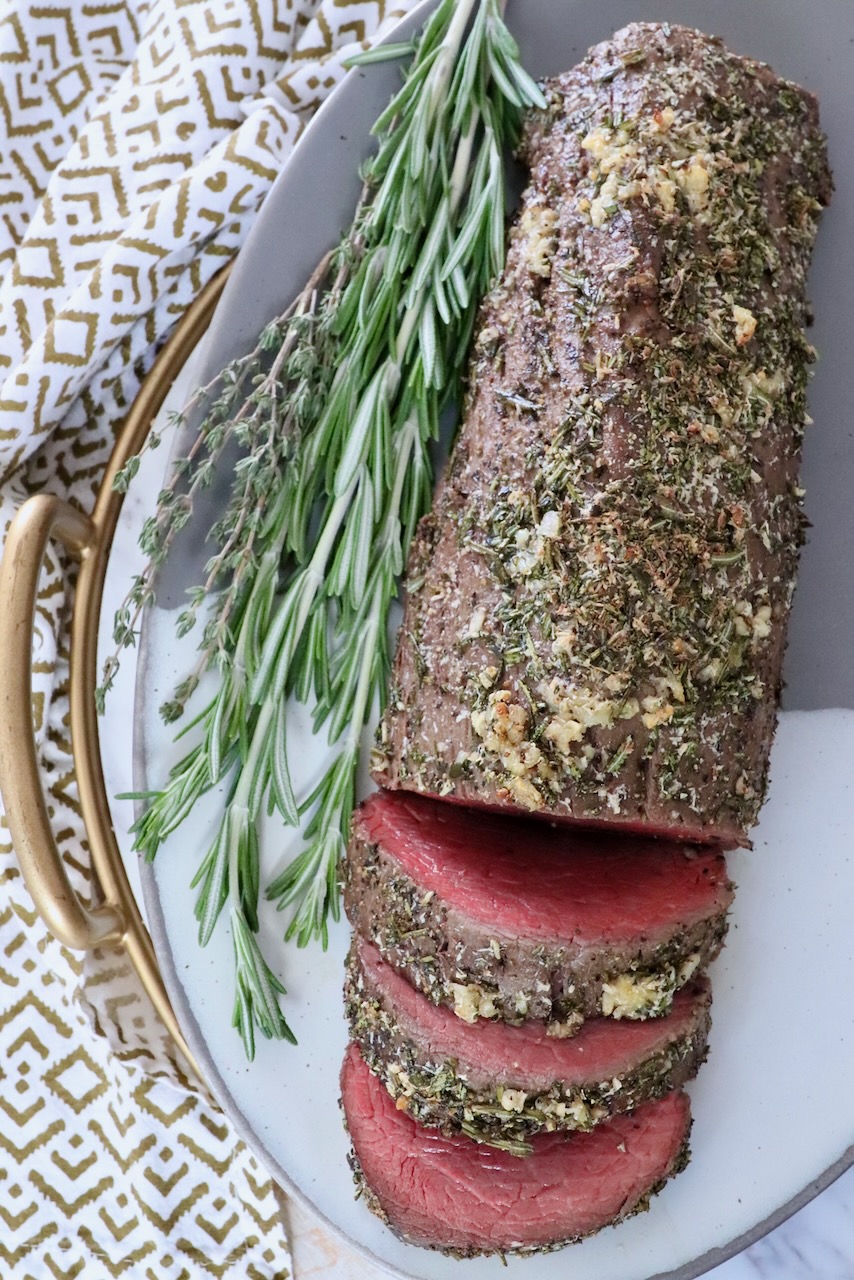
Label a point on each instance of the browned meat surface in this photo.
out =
(501, 917)
(597, 606)
(460, 1196)
(501, 1084)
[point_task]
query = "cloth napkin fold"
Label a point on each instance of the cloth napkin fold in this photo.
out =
(138, 139)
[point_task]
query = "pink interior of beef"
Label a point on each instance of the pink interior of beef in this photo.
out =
(458, 1193)
(529, 879)
(525, 1056)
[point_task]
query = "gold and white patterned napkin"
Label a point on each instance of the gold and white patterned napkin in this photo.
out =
(138, 138)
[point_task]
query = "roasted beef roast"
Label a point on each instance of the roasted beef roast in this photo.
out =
(500, 1084)
(597, 605)
(463, 1197)
(593, 635)
(504, 917)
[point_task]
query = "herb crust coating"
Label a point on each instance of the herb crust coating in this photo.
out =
(597, 605)
(482, 971)
(457, 1094)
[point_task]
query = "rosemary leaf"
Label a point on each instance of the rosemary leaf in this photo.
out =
(333, 412)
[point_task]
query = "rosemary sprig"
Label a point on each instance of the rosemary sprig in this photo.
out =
(335, 475)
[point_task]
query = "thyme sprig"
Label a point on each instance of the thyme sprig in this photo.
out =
(335, 474)
(243, 408)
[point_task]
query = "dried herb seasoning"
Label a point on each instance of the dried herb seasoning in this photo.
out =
(624, 517)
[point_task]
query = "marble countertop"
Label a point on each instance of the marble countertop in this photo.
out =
(817, 1243)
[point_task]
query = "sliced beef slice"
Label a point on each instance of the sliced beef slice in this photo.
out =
(457, 1195)
(500, 1084)
(500, 917)
(598, 603)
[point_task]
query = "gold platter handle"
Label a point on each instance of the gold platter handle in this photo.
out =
(70, 920)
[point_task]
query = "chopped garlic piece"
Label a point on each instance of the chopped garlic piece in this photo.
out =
(486, 1007)
(470, 1003)
(503, 723)
(601, 206)
(580, 1113)
(710, 672)
(768, 386)
(633, 996)
(750, 622)
(665, 190)
(605, 146)
(570, 1026)
(745, 324)
(662, 120)
(564, 641)
(575, 710)
(563, 732)
(512, 1099)
(669, 684)
(476, 622)
(526, 793)
(539, 226)
(694, 181)
(656, 713)
(762, 622)
(549, 526)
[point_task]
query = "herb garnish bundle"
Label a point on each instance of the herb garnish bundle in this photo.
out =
(334, 477)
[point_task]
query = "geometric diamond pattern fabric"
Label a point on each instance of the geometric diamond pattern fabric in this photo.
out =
(138, 139)
(112, 1162)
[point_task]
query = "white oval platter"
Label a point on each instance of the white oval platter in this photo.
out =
(773, 1118)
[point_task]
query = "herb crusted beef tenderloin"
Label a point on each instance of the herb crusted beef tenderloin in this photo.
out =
(505, 918)
(502, 1084)
(597, 606)
(457, 1195)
